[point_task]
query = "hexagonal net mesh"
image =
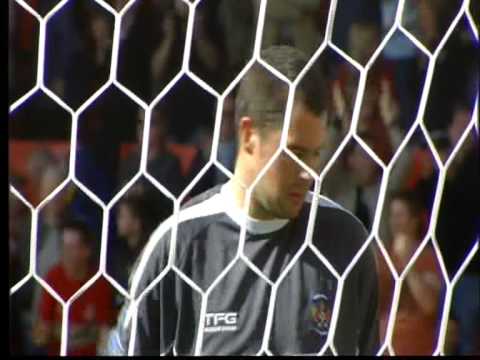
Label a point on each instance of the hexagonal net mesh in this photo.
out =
(411, 277)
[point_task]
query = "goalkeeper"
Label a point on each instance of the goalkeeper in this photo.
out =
(239, 318)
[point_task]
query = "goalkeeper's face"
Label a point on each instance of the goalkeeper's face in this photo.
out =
(280, 193)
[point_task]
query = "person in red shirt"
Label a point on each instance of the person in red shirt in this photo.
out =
(416, 324)
(90, 315)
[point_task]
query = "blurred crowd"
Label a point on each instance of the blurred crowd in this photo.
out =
(110, 146)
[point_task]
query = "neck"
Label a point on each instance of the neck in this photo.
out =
(239, 190)
(257, 212)
(239, 184)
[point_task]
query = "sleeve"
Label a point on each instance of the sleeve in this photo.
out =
(357, 331)
(368, 337)
(156, 311)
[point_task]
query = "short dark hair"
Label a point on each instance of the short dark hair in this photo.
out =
(81, 227)
(263, 96)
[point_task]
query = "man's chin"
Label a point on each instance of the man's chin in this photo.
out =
(291, 212)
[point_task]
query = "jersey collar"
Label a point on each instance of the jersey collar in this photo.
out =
(239, 216)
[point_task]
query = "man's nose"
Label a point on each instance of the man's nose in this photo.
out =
(304, 175)
(305, 181)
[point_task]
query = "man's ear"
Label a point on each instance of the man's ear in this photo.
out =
(247, 138)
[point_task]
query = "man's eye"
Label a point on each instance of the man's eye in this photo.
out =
(299, 154)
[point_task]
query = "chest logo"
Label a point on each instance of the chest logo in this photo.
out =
(215, 322)
(320, 314)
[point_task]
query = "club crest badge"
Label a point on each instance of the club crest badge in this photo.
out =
(320, 314)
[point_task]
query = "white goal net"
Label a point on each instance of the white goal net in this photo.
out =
(121, 111)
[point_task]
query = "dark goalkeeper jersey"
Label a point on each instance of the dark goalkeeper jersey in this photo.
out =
(277, 295)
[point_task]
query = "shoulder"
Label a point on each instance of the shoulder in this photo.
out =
(200, 211)
(202, 197)
(192, 217)
(191, 214)
(338, 233)
(330, 212)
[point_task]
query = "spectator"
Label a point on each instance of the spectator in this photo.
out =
(208, 57)
(78, 53)
(44, 173)
(19, 263)
(167, 50)
(363, 40)
(355, 183)
(377, 118)
(457, 230)
(49, 243)
(462, 114)
(434, 17)
(16, 340)
(415, 328)
(349, 12)
(366, 176)
(38, 163)
(202, 140)
(22, 44)
(238, 20)
(136, 220)
(294, 23)
(161, 164)
(343, 96)
(140, 209)
(441, 141)
(18, 239)
(152, 43)
(52, 217)
(227, 145)
(377, 126)
(379, 115)
(226, 151)
(456, 70)
(423, 174)
(403, 57)
(91, 314)
(198, 162)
